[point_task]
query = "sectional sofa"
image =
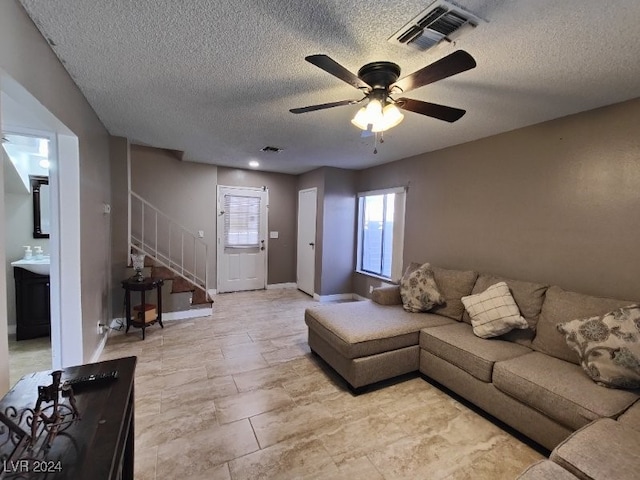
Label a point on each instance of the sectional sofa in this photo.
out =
(528, 378)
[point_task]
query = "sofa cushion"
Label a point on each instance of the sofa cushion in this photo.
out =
(546, 470)
(559, 389)
(453, 285)
(358, 329)
(458, 345)
(493, 312)
(608, 346)
(528, 296)
(631, 417)
(418, 289)
(387, 295)
(604, 449)
(561, 306)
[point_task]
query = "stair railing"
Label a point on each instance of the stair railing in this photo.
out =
(169, 243)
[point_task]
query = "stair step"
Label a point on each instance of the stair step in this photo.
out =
(181, 285)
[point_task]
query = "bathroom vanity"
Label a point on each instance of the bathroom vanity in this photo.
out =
(33, 309)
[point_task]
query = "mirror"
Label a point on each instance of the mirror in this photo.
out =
(41, 210)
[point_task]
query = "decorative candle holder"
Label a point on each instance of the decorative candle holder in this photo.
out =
(137, 260)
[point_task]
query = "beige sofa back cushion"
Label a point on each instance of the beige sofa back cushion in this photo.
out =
(453, 285)
(561, 306)
(528, 296)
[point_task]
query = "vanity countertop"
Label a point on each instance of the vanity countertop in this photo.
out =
(40, 266)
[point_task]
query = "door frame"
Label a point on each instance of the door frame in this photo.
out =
(220, 232)
(313, 287)
(64, 243)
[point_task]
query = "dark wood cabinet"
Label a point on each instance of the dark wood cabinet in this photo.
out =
(33, 305)
(99, 446)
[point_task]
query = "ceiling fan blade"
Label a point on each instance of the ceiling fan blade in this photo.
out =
(441, 112)
(329, 65)
(322, 106)
(457, 62)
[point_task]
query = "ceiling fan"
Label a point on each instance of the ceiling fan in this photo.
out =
(379, 80)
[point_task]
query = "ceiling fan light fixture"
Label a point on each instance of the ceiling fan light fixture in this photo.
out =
(391, 116)
(369, 115)
(376, 118)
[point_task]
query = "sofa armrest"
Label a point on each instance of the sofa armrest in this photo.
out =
(389, 295)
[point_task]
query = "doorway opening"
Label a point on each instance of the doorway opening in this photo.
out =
(20, 111)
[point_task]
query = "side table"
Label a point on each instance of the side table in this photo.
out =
(144, 286)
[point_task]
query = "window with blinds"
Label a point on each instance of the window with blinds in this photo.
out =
(241, 221)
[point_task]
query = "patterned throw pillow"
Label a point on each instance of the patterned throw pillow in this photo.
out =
(494, 311)
(608, 346)
(418, 289)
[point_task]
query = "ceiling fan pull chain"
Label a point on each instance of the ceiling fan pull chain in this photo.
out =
(375, 143)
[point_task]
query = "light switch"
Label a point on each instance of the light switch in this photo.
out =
(273, 234)
(200, 233)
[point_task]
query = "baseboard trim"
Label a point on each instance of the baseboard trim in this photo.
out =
(100, 348)
(360, 298)
(333, 298)
(186, 314)
(180, 315)
(275, 286)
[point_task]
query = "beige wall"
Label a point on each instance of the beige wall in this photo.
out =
(185, 191)
(4, 334)
(283, 198)
(338, 238)
(27, 57)
(556, 202)
(119, 163)
(335, 228)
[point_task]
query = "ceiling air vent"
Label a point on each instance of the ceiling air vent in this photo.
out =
(270, 149)
(441, 21)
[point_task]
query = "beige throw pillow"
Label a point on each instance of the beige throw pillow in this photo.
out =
(494, 311)
(418, 289)
(608, 346)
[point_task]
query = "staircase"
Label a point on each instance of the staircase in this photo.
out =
(171, 250)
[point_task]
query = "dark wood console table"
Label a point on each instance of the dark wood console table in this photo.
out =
(99, 446)
(147, 284)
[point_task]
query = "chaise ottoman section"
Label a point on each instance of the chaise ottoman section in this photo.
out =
(457, 344)
(559, 389)
(358, 329)
(355, 337)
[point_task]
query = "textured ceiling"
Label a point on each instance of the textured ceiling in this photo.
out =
(216, 79)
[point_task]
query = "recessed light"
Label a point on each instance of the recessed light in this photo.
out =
(254, 164)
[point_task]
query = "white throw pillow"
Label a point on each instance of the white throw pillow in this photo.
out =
(418, 289)
(608, 346)
(494, 311)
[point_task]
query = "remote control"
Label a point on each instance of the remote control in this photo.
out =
(89, 381)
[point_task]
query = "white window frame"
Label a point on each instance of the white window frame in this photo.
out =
(398, 232)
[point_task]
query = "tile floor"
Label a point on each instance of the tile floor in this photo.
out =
(28, 356)
(238, 395)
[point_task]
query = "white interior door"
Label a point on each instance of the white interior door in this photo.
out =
(242, 238)
(307, 208)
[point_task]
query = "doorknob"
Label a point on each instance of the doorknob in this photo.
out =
(312, 244)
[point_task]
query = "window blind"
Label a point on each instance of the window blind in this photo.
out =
(241, 221)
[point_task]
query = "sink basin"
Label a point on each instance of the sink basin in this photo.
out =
(41, 267)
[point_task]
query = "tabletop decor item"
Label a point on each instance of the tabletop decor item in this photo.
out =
(137, 260)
